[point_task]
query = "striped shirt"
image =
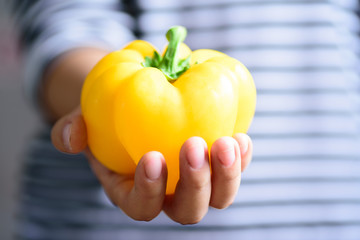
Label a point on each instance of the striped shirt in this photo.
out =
(304, 180)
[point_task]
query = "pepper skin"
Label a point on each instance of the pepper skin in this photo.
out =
(134, 101)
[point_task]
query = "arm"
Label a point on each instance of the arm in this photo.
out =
(63, 81)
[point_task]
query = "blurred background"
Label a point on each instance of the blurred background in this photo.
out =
(17, 122)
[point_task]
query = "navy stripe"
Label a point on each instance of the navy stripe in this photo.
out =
(180, 228)
(244, 3)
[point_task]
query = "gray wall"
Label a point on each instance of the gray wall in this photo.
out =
(17, 122)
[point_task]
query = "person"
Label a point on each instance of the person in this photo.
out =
(303, 182)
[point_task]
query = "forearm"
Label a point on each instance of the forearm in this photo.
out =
(63, 79)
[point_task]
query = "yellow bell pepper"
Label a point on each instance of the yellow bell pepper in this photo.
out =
(135, 101)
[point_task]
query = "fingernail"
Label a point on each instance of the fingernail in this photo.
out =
(67, 136)
(196, 155)
(244, 147)
(153, 168)
(227, 156)
(243, 141)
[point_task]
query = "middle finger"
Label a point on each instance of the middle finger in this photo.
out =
(190, 202)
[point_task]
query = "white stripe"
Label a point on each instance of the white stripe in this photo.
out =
(315, 191)
(305, 146)
(303, 125)
(293, 58)
(305, 169)
(304, 80)
(289, 102)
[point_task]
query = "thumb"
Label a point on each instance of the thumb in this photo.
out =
(69, 133)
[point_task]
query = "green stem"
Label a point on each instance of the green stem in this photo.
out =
(176, 35)
(170, 64)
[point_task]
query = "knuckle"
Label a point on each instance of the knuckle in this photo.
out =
(188, 217)
(147, 194)
(190, 220)
(196, 182)
(143, 217)
(232, 176)
(150, 195)
(148, 191)
(200, 186)
(142, 212)
(221, 204)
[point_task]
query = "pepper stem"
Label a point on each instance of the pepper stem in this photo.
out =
(170, 64)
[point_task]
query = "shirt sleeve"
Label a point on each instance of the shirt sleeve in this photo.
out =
(48, 29)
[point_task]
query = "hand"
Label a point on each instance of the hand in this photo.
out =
(142, 195)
